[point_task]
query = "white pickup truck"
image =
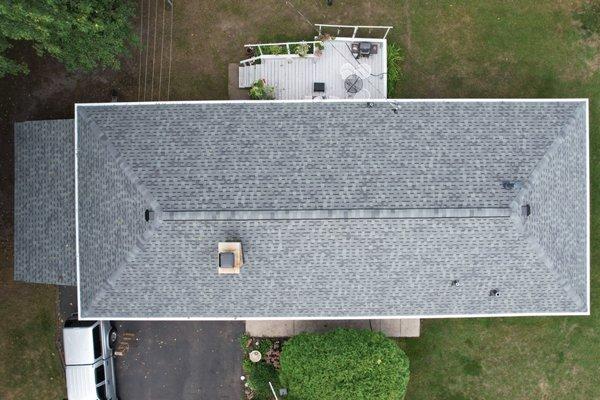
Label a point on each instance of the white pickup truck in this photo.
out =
(89, 360)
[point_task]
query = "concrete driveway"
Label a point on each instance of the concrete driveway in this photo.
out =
(181, 360)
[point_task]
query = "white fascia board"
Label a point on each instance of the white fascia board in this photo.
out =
(395, 101)
(589, 215)
(304, 318)
(75, 152)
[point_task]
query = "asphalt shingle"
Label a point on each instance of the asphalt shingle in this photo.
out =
(44, 209)
(342, 209)
(271, 156)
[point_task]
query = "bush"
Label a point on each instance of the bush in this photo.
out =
(394, 72)
(258, 377)
(261, 91)
(344, 364)
(264, 345)
(273, 49)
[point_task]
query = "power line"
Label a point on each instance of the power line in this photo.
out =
(162, 46)
(147, 50)
(154, 50)
(170, 50)
(392, 104)
(141, 47)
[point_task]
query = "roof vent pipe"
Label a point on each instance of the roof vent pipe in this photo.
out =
(509, 185)
(148, 215)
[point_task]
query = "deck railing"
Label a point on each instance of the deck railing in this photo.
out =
(355, 29)
(265, 50)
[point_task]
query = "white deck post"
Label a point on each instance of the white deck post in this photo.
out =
(287, 46)
(354, 33)
(260, 50)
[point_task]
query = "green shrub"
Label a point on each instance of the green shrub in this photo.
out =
(258, 377)
(344, 364)
(274, 49)
(261, 91)
(394, 71)
(589, 16)
(264, 345)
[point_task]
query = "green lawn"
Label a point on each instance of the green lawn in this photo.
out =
(505, 49)
(29, 363)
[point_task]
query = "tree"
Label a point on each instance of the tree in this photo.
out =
(82, 34)
(344, 364)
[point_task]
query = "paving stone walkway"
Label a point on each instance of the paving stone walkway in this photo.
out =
(286, 328)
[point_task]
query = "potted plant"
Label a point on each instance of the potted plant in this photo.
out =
(302, 49)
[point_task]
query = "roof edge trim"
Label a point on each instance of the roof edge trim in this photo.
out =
(439, 316)
(446, 100)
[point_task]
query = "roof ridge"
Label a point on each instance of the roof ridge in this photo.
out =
(338, 213)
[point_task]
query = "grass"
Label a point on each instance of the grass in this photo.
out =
(29, 363)
(394, 72)
(505, 49)
(258, 375)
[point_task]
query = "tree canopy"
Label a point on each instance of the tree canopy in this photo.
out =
(82, 34)
(344, 364)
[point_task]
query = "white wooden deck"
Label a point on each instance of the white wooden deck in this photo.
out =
(293, 76)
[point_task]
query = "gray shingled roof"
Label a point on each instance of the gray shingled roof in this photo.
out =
(343, 209)
(44, 209)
